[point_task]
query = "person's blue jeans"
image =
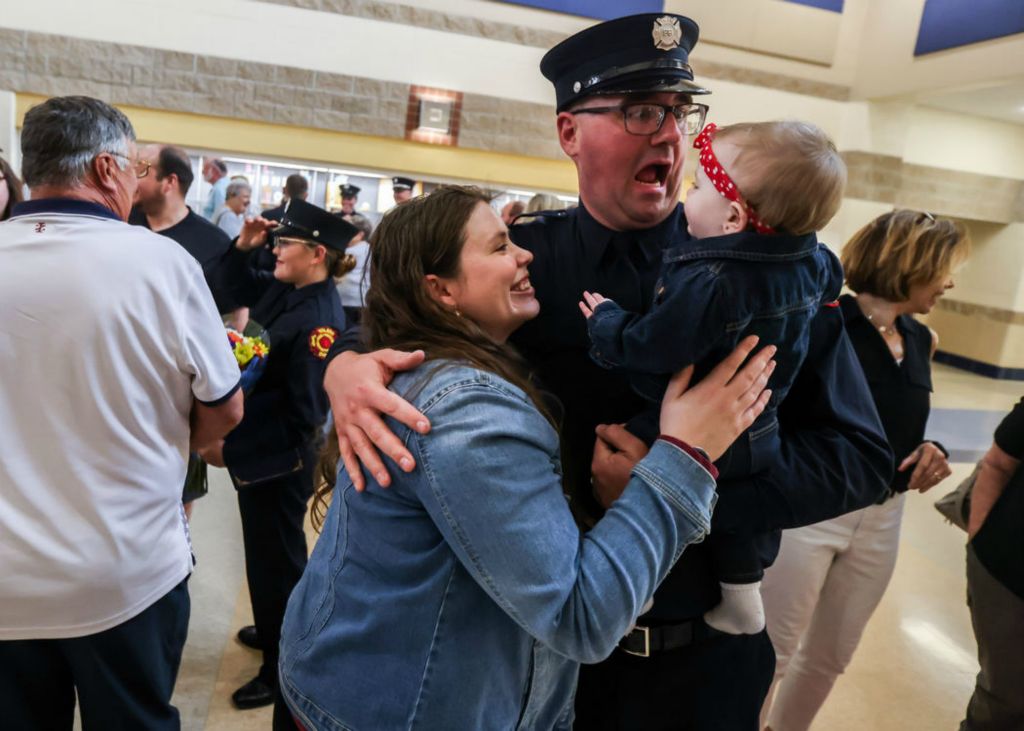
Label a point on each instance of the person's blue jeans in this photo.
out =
(124, 676)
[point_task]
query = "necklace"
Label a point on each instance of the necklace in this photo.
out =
(884, 329)
(892, 338)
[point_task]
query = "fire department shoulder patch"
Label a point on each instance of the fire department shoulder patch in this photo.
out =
(320, 341)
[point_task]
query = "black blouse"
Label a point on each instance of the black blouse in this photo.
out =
(901, 391)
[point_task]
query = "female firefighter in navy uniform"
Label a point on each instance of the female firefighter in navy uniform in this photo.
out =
(271, 455)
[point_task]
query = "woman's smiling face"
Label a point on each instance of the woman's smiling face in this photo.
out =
(492, 286)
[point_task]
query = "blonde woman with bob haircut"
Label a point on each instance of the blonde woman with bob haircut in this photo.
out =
(830, 576)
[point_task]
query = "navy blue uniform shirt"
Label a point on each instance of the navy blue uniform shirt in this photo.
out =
(834, 456)
(285, 411)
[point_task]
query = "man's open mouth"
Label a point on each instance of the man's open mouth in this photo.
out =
(655, 174)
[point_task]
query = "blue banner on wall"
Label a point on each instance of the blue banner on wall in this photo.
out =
(836, 6)
(952, 23)
(602, 9)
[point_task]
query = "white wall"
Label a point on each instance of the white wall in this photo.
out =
(869, 45)
(961, 142)
(272, 33)
(992, 276)
(888, 66)
(852, 215)
(731, 102)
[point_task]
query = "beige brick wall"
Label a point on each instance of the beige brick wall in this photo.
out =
(156, 79)
(889, 179)
(434, 19)
(971, 334)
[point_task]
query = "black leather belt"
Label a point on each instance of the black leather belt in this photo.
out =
(643, 641)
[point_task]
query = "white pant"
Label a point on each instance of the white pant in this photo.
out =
(818, 597)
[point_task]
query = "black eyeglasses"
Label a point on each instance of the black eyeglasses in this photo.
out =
(646, 118)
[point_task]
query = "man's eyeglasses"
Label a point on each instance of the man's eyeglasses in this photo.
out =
(141, 167)
(646, 118)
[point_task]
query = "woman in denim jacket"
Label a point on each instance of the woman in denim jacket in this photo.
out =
(464, 596)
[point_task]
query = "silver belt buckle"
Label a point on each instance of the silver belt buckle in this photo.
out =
(647, 642)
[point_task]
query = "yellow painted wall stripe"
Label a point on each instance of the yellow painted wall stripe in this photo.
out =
(492, 169)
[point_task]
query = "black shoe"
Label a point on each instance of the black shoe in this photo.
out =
(248, 637)
(254, 694)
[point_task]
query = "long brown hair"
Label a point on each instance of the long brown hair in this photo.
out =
(424, 236)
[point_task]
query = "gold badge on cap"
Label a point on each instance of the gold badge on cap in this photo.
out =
(667, 33)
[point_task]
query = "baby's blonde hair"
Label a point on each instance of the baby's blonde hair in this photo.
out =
(790, 173)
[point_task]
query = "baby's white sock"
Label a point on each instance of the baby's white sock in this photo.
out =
(741, 611)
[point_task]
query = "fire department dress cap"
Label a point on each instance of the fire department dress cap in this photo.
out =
(638, 53)
(305, 221)
(349, 191)
(399, 183)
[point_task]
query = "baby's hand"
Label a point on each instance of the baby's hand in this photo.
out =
(590, 303)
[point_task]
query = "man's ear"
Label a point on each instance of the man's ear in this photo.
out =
(439, 289)
(568, 133)
(104, 169)
(738, 219)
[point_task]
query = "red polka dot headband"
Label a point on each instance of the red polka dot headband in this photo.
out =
(721, 180)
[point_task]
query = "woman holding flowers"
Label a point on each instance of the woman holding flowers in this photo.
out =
(271, 454)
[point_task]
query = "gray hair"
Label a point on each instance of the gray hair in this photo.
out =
(544, 202)
(362, 223)
(61, 137)
(238, 187)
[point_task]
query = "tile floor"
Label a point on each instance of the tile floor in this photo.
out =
(914, 669)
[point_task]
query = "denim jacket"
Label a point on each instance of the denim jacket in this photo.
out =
(712, 293)
(464, 595)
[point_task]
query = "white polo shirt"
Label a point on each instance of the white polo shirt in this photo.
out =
(107, 331)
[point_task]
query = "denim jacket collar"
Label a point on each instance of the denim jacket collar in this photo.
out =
(746, 245)
(606, 242)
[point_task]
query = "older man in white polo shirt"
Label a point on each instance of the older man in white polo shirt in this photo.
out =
(114, 363)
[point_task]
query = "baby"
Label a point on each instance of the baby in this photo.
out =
(753, 266)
